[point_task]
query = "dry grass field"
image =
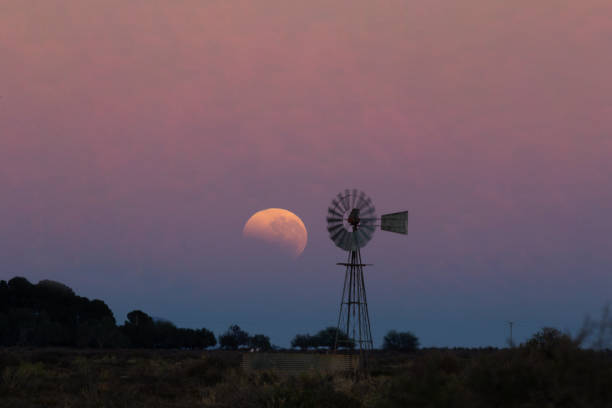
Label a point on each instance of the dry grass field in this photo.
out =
(522, 377)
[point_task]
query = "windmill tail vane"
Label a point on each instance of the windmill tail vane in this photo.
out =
(395, 222)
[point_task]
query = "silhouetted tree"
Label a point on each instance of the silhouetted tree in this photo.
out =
(327, 338)
(189, 338)
(166, 335)
(324, 338)
(302, 341)
(549, 341)
(139, 318)
(400, 341)
(53, 289)
(46, 314)
(51, 314)
(21, 286)
(50, 332)
(260, 342)
(100, 334)
(206, 338)
(95, 310)
(139, 329)
(233, 338)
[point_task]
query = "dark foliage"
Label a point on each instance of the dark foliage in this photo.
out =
(51, 314)
(525, 376)
(140, 329)
(260, 342)
(234, 338)
(550, 340)
(143, 331)
(400, 341)
(302, 341)
(325, 338)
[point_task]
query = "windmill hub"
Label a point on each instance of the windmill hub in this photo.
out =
(353, 218)
(351, 234)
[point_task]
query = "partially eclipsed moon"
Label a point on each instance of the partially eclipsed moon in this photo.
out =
(279, 227)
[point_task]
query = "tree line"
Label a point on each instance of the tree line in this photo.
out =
(326, 338)
(49, 313)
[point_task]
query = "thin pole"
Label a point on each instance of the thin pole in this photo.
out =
(346, 273)
(367, 327)
(350, 299)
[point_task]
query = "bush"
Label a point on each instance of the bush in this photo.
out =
(324, 338)
(302, 341)
(550, 341)
(327, 338)
(260, 342)
(233, 338)
(400, 341)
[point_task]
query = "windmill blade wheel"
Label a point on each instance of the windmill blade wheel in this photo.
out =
(351, 219)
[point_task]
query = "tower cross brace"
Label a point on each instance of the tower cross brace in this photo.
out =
(354, 318)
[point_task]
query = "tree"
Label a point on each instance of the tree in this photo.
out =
(99, 333)
(95, 310)
(51, 314)
(4, 294)
(260, 342)
(302, 341)
(139, 318)
(327, 338)
(20, 292)
(206, 338)
(549, 340)
(188, 338)
(400, 341)
(53, 288)
(140, 329)
(233, 338)
(167, 335)
(50, 332)
(20, 285)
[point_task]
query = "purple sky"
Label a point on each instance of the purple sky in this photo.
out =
(136, 139)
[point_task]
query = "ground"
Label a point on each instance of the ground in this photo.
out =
(520, 377)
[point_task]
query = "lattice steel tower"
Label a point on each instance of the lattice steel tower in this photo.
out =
(351, 222)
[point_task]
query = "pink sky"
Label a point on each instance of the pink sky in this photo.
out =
(136, 138)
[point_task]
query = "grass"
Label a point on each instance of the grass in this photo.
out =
(520, 377)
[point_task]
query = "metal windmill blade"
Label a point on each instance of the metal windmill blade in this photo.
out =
(346, 232)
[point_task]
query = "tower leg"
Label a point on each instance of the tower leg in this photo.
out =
(353, 332)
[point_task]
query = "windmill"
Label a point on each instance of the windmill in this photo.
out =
(351, 222)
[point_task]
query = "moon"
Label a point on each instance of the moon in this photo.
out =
(279, 227)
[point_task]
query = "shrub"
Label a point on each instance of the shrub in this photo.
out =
(233, 338)
(302, 341)
(550, 341)
(400, 341)
(260, 342)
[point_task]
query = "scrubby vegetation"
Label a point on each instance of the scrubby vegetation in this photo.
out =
(400, 341)
(149, 362)
(542, 373)
(235, 338)
(325, 338)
